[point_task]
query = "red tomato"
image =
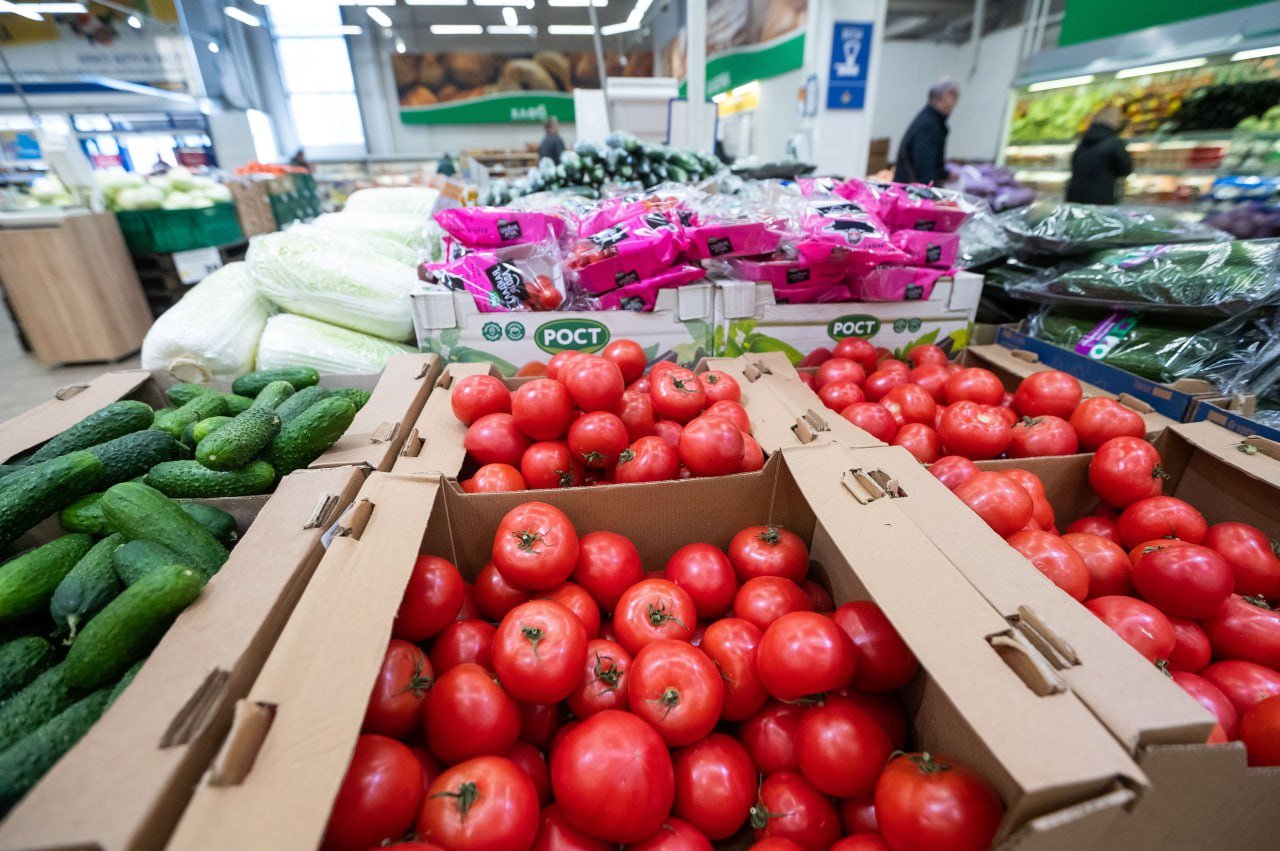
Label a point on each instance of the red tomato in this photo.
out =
(731, 411)
(556, 834)
(804, 653)
(817, 357)
(484, 803)
(677, 395)
(468, 715)
(677, 689)
(653, 609)
(495, 478)
(1249, 552)
(1103, 527)
(881, 382)
(495, 439)
(1041, 436)
(1260, 732)
(494, 595)
(531, 761)
(379, 796)
(1107, 563)
(1141, 550)
(770, 737)
(806, 379)
(470, 610)
(1125, 470)
(669, 431)
(788, 807)
(1191, 649)
(886, 709)
(535, 546)
(974, 384)
(594, 384)
(841, 749)
(929, 801)
(764, 599)
(719, 386)
(1244, 683)
(1142, 626)
(649, 459)
(838, 395)
(604, 681)
(550, 464)
(1161, 517)
(839, 369)
(752, 455)
(921, 441)
(874, 419)
(975, 431)
(884, 661)
(628, 356)
(768, 551)
(396, 702)
(858, 815)
(431, 599)
(1190, 581)
(608, 564)
(1041, 509)
(431, 766)
(539, 722)
(1211, 698)
(819, 597)
(598, 438)
(711, 446)
(637, 415)
(1006, 413)
(1099, 419)
(858, 350)
(463, 641)
(578, 600)
(861, 842)
(539, 651)
(559, 361)
(532, 369)
(933, 378)
(478, 395)
(1245, 628)
(662, 366)
(715, 785)
(731, 644)
(1055, 559)
(910, 404)
(705, 573)
(542, 409)
(888, 363)
(612, 777)
(1048, 393)
(953, 470)
(1001, 502)
(927, 354)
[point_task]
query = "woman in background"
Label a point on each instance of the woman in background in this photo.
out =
(1100, 161)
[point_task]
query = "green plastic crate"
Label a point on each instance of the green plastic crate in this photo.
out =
(163, 231)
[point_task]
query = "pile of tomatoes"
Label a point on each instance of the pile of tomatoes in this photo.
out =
(932, 407)
(595, 419)
(1192, 598)
(568, 699)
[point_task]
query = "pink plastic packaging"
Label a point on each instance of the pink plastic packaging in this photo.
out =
(811, 294)
(622, 255)
(719, 240)
(643, 296)
(873, 196)
(924, 208)
(494, 227)
(928, 249)
(657, 210)
(894, 283)
(503, 285)
(845, 232)
(788, 273)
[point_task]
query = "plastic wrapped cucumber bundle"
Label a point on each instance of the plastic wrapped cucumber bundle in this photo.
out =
(1062, 229)
(413, 201)
(982, 240)
(212, 333)
(330, 350)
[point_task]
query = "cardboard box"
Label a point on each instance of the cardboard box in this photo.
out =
(1063, 779)
(253, 206)
(125, 784)
(1239, 421)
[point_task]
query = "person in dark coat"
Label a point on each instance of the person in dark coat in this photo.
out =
(922, 156)
(1100, 161)
(551, 145)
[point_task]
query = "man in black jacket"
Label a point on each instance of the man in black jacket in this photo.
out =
(922, 156)
(1099, 161)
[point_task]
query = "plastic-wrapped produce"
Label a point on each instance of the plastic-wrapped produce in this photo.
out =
(982, 240)
(1069, 229)
(212, 333)
(360, 241)
(409, 231)
(330, 350)
(524, 277)
(414, 201)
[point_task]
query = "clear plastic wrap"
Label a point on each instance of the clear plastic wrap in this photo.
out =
(212, 333)
(330, 350)
(497, 227)
(792, 272)
(840, 231)
(526, 277)
(643, 295)
(916, 207)
(982, 240)
(926, 248)
(622, 255)
(409, 231)
(361, 241)
(1062, 230)
(414, 201)
(894, 283)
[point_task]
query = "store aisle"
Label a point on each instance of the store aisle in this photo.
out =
(25, 382)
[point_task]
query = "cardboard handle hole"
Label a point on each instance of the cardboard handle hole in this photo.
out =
(62, 394)
(352, 524)
(1034, 672)
(319, 515)
(196, 714)
(248, 731)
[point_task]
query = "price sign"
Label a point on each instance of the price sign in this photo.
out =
(197, 264)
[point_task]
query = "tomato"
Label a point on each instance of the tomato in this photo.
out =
(539, 651)
(550, 464)
(768, 551)
(535, 546)
(636, 413)
(1211, 698)
(669, 431)
(927, 354)
(431, 599)
(861, 842)
(1244, 683)
(929, 801)
(817, 357)
(396, 702)
(885, 708)
(730, 643)
(379, 796)
(1099, 419)
(882, 382)
(1125, 470)
(532, 369)
(662, 366)
(838, 395)
(1249, 552)
(608, 564)
(479, 395)
(539, 722)
(752, 455)
(431, 767)
(776, 843)
(788, 807)
(1001, 502)
(819, 597)
(1245, 628)
(598, 438)
(674, 835)
(1042, 436)
(1142, 626)
(858, 350)
(1005, 413)
(705, 573)
(806, 379)
(1055, 559)
(1048, 393)
(531, 761)
(1189, 581)
(628, 356)
(1260, 732)
(874, 419)
(720, 386)
(1103, 527)
(542, 409)
(894, 364)
(594, 384)
(910, 404)
(764, 599)
(463, 641)
(921, 441)
(952, 470)
(559, 361)
(556, 834)
(495, 478)
(653, 609)
(578, 600)
(841, 748)
(858, 815)
(770, 737)
(677, 395)
(711, 446)
(1107, 563)
(839, 369)
(487, 804)
(932, 377)
(884, 662)
(1191, 649)
(715, 785)
(677, 689)
(604, 680)
(613, 778)
(495, 439)
(494, 595)
(731, 411)
(469, 610)
(974, 431)
(1161, 517)
(804, 653)
(974, 384)
(468, 714)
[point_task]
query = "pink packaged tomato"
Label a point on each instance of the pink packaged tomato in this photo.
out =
(808, 294)
(501, 285)
(720, 240)
(495, 227)
(918, 207)
(924, 248)
(643, 296)
(894, 283)
(622, 255)
(788, 272)
(845, 232)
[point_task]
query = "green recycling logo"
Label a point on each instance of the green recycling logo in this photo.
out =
(515, 331)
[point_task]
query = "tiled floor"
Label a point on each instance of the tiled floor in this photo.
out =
(25, 382)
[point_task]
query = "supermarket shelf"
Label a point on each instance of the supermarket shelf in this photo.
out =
(1177, 172)
(1189, 137)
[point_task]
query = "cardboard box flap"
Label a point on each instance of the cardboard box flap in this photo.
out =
(68, 406)
(436, 436)
(1254, 456)
(1089, 824)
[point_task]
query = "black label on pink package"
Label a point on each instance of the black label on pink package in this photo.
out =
(924, 224)
(913, 292)
(833, 210)
(657, 221)
(933, 253)
(508, 284)
(508, 231)
(686, 218)
(622, 279)
(633, 302)
(609, 237)
(718, 246)
(797, 276)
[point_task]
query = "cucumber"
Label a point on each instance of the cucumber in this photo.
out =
(193, 480)
(115, 420)
(299, 402)
(40, 701)
(143, 513)
(240, 441)
(28, 497)
(356, 397)
(90, 585)
(273, 395)
(21, 661)
(130, 625)
(206, 427)
(219, 523)
(84, 515)
(173, 420)
(188, 436)
(181, 394)
(125, 681)
(136, 559)
(308, 436)
(28, 581)
(134, 454)
(30, 758)
(9, 469)
(251, 384)
(236, 404)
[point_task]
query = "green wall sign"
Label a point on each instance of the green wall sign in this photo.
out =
(500, 108)
(1087, 20)
(741, 65)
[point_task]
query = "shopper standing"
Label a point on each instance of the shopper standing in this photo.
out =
(922, 156)
(551, 145)
(1100, 161)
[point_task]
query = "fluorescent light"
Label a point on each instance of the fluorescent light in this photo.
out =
(33, 11)
(519, 29)
(379, 17)
(134, 21)
(456, 29)
(614, 29)
(305, 31)
(577, 2)
(435, 2)
(1143, 70)
(213, 47)
(26, 12)
(400, 46)
(509, 16)
(1063, 83)
(242, 16)
(528, 4)
(571, 29)
(637, 14)
(1256, 53)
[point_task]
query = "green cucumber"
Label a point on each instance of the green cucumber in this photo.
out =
(30, 758)
(251, 384)
(143, 513)
(115, 420)
(206, 427)
(85, 515)
(21, 661)
(136, 559)
(173, 420)
(193, 480)
(308, 436)
(273, 395)
(351, 394)
(42, 489)
(40, 701)
(188, 435)
(219, 523)
(89, 586)
(28, 581)
(181, 394)
(134, 454)
(240, 441)
(299, 402)
(236, 404)
(130, 625)
(9, 469)
(125, 681)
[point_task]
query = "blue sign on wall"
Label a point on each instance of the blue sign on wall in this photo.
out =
(850, 62)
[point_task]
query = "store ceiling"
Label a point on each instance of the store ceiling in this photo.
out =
(952, 20)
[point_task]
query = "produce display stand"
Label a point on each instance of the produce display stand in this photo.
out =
(1239, 421)
(166, 231)
(979, 696)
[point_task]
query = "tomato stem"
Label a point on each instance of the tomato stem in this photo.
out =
(535, 635)
(927, 764)
(682, 384)
(770, 535)
(1163, 666)
(592, 458)
(1258, 601)
(660, 614)
(466, 795)
(610, 676)
(760, 816)
(417, 684)
(528, 539)
(625, 456)
(1158, 472)
(564, 478)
